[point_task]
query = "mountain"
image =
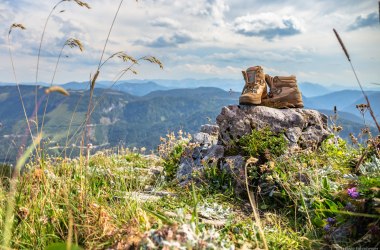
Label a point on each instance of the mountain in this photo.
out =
(120, 118)
(346, 100)
(309, 89)
(84, 85)
(139, 89)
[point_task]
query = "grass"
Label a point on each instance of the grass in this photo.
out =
(123, 198)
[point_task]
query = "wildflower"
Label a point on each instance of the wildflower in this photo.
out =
(354, 140)
(353, 193)
(331, 221)
(362, 107)
(327, 227)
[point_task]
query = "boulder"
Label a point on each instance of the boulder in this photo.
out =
(216, 144)
(302, 128)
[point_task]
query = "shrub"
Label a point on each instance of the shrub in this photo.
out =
(171, 150)
(263, 144)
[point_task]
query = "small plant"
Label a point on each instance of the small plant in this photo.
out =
(218, 180)
(263, 143)
(171, 149)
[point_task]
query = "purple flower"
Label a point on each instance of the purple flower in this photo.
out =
(349, 207)
(331, 221)
(327, 228)
(353, 193)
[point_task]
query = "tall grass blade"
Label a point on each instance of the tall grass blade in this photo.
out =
(252, 201)
(7, 232)
(357, 79)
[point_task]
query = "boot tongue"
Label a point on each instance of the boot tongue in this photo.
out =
(251, 75)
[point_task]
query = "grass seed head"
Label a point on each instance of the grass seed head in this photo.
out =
(82, 4)
(16, 25)
(72, 42)
(57, 89)
(153, 59)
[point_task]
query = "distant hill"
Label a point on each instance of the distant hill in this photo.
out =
(119, 118)
(139, 89)
(309, 89)
(345, 100)
(124, 119)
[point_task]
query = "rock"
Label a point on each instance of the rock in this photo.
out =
(214, 154)
(199, 157)
(207, 152)
(186, 168)
(235, 166)
(204, 140)
(303, 127)
(210, 129)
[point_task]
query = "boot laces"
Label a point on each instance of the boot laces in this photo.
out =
(253, 87)
(274, 91)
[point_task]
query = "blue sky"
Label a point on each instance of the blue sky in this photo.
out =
(197, 39)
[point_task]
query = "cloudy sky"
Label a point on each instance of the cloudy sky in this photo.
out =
(196, 39)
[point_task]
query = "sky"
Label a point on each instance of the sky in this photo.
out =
(198, 39)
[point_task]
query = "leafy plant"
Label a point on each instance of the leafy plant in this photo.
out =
(263, 143)
(171, 150)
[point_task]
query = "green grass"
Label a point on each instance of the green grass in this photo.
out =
(110, 201)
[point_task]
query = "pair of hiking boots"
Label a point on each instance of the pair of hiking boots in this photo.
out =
(284, 92)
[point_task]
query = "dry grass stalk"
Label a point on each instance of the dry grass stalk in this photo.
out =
(357, 79)
(71, 42)
(253, 203)
(80, 3)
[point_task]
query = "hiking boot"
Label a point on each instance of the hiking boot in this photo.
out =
(255, 87)
(284, 92)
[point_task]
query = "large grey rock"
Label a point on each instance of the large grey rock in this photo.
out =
(303, 127)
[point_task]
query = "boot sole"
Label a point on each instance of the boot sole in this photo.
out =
(283, 105)
(249, 100)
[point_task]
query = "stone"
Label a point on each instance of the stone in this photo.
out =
(303, 128)
(204, 140)
(210, 129)
(235, 166)
(186, 168)
(213, 154)
(195, 162)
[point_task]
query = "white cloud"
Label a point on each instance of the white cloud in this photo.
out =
(165, 22)
(210, 69)
(166, 40)
(268, 25)
(216, 9)
(199, 38)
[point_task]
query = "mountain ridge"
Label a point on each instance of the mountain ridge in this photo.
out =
(124, 119)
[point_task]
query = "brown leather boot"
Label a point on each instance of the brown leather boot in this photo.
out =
(255, 88)
(284, 92)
